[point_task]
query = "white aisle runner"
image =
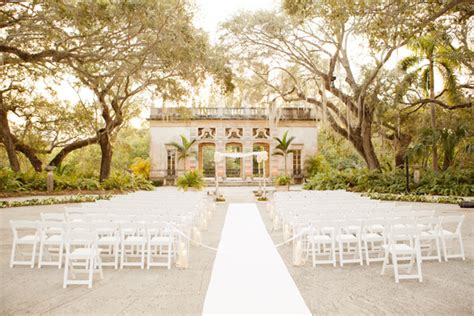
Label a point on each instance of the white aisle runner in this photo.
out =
(249, 276)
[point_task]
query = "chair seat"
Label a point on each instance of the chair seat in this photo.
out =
(135, 240)
(400, 249)
(160, 240)
(347, 238)
(327, 230)
(54, 239)
(84, 253)
(423, 227)
(373, 237)
(108, 240)
(319, 238)
(28, 239)
(447, 233)
(352, 228)
(376, 228)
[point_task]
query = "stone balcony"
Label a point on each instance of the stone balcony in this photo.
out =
(224, 113)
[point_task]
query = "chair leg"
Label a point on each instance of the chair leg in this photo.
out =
(60, 250)
(385, 262)
(66, 269)
(443, 242)
(366, 253)
(143, 256)
(438, 250)
(333, 253)
(341, 257)
(313, 254)
(359, 246)
(40, 255)
(116, 250)
(12, 258)
(149, 256)
(122, 252)
(91, 272)
(395, 267)
(33, 255)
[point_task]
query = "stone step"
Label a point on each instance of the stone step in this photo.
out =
(235, 183)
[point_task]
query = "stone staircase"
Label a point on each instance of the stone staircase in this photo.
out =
(235, 183)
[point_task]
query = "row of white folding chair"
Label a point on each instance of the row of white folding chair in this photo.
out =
(52, 234)
(427, 230)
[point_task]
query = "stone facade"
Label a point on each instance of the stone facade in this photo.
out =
(245, 130)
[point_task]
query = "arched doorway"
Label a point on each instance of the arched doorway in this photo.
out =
(206, 159)
(260, 147)
(233, 166)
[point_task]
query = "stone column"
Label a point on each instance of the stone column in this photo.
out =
(247, 146)
(220, 147)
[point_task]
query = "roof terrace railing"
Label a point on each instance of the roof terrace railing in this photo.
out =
(183, 113)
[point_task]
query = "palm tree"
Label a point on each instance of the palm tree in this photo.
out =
(449, 140)
(184, 149)
(432, 53)
(283, 147)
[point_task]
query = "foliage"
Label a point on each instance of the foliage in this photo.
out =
(141, 167)
(283, 180)
(315, 164)
(191, 179)
(262, 199)
(415, 198)
(36, 181)
(220, 198)
(362, 180)
(184, 149)
(51, 201)
(283, 148)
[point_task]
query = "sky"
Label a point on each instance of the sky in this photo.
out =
(212, 12)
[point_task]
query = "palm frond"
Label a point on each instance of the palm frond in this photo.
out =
(409, 62)
(453, 95)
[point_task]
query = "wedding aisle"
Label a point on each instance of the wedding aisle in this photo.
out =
(249, 276)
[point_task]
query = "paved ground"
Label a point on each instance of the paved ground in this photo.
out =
(448, 288)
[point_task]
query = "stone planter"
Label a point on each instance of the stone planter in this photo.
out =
(282, 188)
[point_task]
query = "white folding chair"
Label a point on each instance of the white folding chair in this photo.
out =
(403, 245)
(53, 217)
(82, 256)
(51, 243)
(160, 241)
(133, 236)
(449, 236)
(349, 241)
(25, 233)
(108, 241)
(321, 244)
(429, 235)
(374, 237)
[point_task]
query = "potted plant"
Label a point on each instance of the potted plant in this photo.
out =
(191, 180)
(282, 183)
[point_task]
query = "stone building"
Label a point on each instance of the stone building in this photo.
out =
(229, 130)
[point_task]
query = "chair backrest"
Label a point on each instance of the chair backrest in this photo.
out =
(24, 228)
(59, 217)
(452, 219)
(402, 229)
(133, 229)
(51, 228)
(82, 238)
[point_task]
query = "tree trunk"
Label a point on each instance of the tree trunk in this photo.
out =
(286, 169)
(8, 141)
(31, 155)
(106, 150)
(435, 157)
(401, 146)
(448, 161)
(58, 159)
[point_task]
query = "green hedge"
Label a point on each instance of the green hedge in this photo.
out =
(415, 198)
(460, 183)
(36, 181)
(54, 200)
